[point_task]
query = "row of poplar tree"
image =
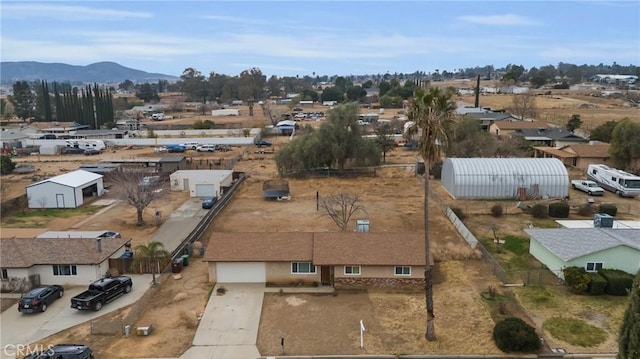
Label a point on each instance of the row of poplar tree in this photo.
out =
(91, 105)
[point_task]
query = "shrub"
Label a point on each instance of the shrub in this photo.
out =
(458, 212)
(618, 282)
(585, 210)
(559, 210)
(514, 335)
(608, 208)
(496, 210)
(576, 278)
(540, 211)
(597, 284)
(436, 170)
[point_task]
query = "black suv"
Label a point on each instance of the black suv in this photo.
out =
(39, 298)
(64, 351)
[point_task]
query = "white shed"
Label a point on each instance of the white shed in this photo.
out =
(201, 183)
(65, 191)
(505, 177)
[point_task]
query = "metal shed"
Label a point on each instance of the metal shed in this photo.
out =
(65, 191)
(515, 178)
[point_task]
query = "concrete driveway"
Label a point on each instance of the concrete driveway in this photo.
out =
(23, 329)
(229, 325)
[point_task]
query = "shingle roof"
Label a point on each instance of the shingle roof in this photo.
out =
(260, 247)
(555, 151)
(549, 133)
(600, 150)
(384, 248)
(27, 252)
(72, 179)
(514, 125)
(327, 248)
(570, 243)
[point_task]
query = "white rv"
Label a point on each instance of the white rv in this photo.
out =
(86, 144)
(617, 181)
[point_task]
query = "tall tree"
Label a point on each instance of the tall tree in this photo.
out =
(574, 123)
(137, 189)
(384, 139)
(625, 147)
(469, 140)
(193, 84)
(431, 112)
(523, 105)
(603, 132)
(629, 335)
(341, 207)
(153, 252)
(23, 100)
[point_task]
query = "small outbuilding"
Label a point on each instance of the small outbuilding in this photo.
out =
(201, 183)
(65, 191)
(508, 178)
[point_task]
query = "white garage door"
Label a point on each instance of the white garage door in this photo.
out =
(203, 190)
(242, 272)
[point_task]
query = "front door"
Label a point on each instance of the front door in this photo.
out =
(59, 200)
(326, 275)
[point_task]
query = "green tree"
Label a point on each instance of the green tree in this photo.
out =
(469, 140)
(6, 165)
(126, 85)
(385, 140)
(574, 123)
(332, 94)
(603, 132)
(625, 147)
(383, 88)
(431, 112)
(192, 83)
(629, 335)
(356, 93)
(154, 253)
(23, 100)
(5, 110)
(147, 93)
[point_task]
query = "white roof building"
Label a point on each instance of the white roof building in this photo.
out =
(65, 191)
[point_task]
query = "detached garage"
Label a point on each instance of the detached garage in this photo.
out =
(65, 191)
(201, 183)
(509, 178)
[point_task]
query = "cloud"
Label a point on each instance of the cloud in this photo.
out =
(499, 20)
(66, 13)
(235, 19)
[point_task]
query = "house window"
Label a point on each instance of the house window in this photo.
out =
(403, 270)
(4, 274)
(303, 268)
(352, 270)
(593, 266)
(61, 269)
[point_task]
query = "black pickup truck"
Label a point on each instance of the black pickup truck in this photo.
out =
(102, 292)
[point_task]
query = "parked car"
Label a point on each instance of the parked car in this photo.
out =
(110, 234)
(223, 148)
(39, 298)
(176, 148)
(64, 351)
(72, 151)
(101, 292)
(206, 148)
(587, 186)
(208, 202)
(190, 145)
(261, 143)
(91, 152)
(160, 149)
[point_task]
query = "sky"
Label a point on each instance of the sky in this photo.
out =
(289, 38)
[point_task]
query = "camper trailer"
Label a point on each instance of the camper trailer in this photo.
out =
(617, 181)
(86, 144)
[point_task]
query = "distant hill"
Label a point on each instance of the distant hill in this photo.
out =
(100, 72)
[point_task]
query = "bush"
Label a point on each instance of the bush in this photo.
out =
(436, 170)
(618, 282)
(608, 208)
(514, 335)
(559, 210)
(458, 212)
(585, 210)
(597, 284)
(540, 211)
(576, 278)
(496, 210)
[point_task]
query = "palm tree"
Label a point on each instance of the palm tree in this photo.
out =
(152, 252)
(432, 112)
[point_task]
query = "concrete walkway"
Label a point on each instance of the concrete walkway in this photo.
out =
(229, 325)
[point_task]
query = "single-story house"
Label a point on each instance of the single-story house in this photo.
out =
(502, 128)
(487, 118)
(201, 183)
(65, 191)
(163, 165)
(25, 262)
(99, 134)
(577, 155)
(552, 137)
(589, 248)
(11, 139)
(61, 128)
(343, 259)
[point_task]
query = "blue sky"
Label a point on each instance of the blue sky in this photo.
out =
(288, 38)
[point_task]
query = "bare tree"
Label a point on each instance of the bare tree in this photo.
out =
(341, 207)
(523, 105)
(271, 113)
(138, 188)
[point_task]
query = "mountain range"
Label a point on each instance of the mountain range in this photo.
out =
(100, 72)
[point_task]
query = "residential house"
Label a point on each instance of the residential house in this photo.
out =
(577, 155)
(164, 165)
(487, 118)
(26, 262)
(343, 259)
(99, 134)
(549, 137)
(505, 128)
(201, 183)
(60, 128)
(588, 248)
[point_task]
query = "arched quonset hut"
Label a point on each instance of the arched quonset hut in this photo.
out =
(505, 177)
